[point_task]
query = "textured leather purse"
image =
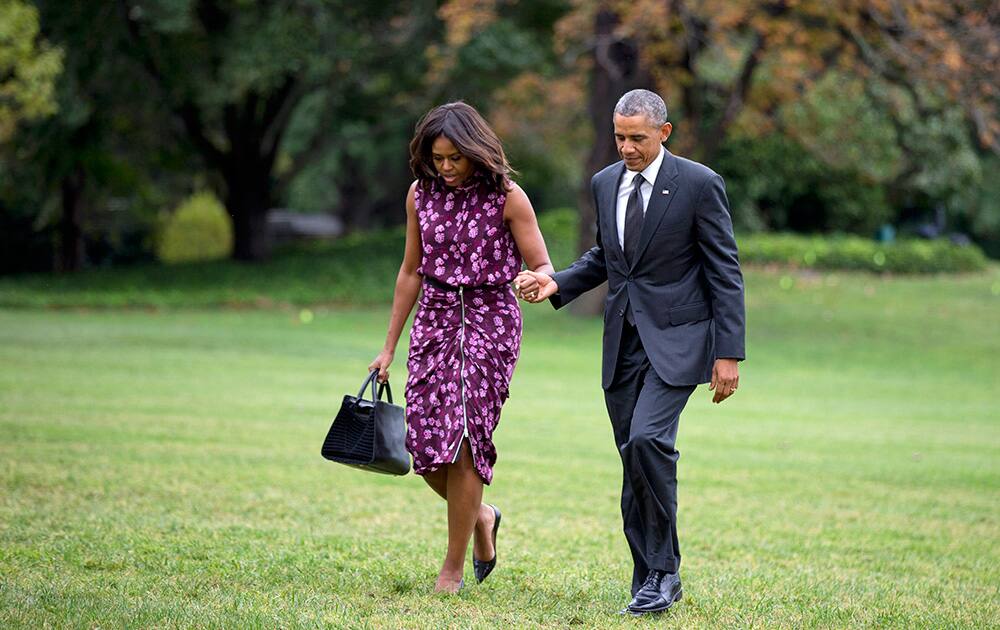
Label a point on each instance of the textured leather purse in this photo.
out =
(369, 434)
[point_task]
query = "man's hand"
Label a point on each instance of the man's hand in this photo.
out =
(534, 287)
(725, 379)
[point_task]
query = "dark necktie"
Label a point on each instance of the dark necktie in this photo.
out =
(633, 230)
(633, 220)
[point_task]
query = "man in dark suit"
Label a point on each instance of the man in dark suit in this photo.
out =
(674, 318)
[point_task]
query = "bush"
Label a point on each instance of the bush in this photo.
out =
(775, 183)
(808, 252)
(854, 253)
(200, 229)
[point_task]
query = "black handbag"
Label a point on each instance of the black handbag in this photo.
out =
(369, 434)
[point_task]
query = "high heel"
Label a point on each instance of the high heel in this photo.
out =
(481, 568)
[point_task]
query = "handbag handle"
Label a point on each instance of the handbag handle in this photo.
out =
(383, 387)
(388, 390)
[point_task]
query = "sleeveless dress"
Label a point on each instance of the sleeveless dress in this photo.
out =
(464, 342)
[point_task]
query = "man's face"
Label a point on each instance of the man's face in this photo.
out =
(639, 140)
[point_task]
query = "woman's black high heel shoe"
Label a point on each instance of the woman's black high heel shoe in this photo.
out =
(483, 569)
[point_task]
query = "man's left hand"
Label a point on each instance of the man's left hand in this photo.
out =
(725, 379)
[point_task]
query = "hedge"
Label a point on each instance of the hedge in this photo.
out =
(805, 252)
(860, 254)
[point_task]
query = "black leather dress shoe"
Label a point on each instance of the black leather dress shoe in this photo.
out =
(484, 568)
(658, 593)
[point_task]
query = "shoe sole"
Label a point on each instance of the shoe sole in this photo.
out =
(639, 613)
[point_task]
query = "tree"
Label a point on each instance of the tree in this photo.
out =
(500, 56)
(82, 175)
(345, 151)
(29, 67)
(232, 74)
(733, 70)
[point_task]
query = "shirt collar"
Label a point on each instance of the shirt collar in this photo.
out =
(650, 172)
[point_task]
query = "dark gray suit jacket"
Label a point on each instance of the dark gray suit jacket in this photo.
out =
(685, 285)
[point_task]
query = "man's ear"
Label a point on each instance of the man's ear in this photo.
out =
(665, 131)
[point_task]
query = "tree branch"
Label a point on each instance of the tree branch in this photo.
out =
(694, 43)
(737, 96)
(277, 113)
(187, 111)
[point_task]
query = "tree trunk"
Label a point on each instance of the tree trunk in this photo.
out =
(70, 254)
(616, 70)
(248, 200)
(355, 199)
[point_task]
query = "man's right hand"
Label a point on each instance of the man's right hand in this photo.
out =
(534, 286)
(381, 363)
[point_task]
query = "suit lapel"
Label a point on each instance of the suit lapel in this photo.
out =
(664, 191)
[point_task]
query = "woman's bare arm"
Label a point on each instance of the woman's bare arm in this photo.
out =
(406, 292)
(520, 216)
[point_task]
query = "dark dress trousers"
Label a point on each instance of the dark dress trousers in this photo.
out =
(685, 291)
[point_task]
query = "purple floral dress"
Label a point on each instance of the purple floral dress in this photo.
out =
(463, 344)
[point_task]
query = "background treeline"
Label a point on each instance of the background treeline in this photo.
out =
(823, 116)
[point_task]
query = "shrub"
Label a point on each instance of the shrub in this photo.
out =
(806, 252)
(200, 229)
(855, 253)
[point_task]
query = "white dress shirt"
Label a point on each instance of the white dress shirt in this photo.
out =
(645, 190)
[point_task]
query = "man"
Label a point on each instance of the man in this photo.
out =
(674, 318)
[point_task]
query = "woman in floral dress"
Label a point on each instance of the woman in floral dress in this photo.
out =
(468, 228)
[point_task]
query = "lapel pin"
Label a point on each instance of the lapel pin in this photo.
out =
(666, 192)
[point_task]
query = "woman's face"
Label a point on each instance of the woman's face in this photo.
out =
(454, 167)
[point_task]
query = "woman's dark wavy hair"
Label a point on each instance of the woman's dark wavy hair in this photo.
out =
(471, 135)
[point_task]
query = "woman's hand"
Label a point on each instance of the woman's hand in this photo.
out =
(381, 363)
(535, 287)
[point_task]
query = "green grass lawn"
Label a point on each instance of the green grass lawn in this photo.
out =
(162, 468)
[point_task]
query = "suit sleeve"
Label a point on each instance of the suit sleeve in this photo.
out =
(588, 272)
(722, 269)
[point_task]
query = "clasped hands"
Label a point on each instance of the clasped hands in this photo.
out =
(534, 286)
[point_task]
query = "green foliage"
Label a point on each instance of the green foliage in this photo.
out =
(559, 228)
(361, 268)
(324, 97)
(29, 68)
(854, 253)
(808, 252)
(356, 269)
(104, 161)
(941, 162)
(844, 129)
(345, 149)
(198, 230)
(976, 208)
(775, 183)
(494, 56)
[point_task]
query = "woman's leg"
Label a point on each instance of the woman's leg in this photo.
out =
(482, 544)
(438, 481)
(465, 496)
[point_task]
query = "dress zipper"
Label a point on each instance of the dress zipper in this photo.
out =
(461, 378)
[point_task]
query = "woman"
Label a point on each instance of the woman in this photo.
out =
(468, 227)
